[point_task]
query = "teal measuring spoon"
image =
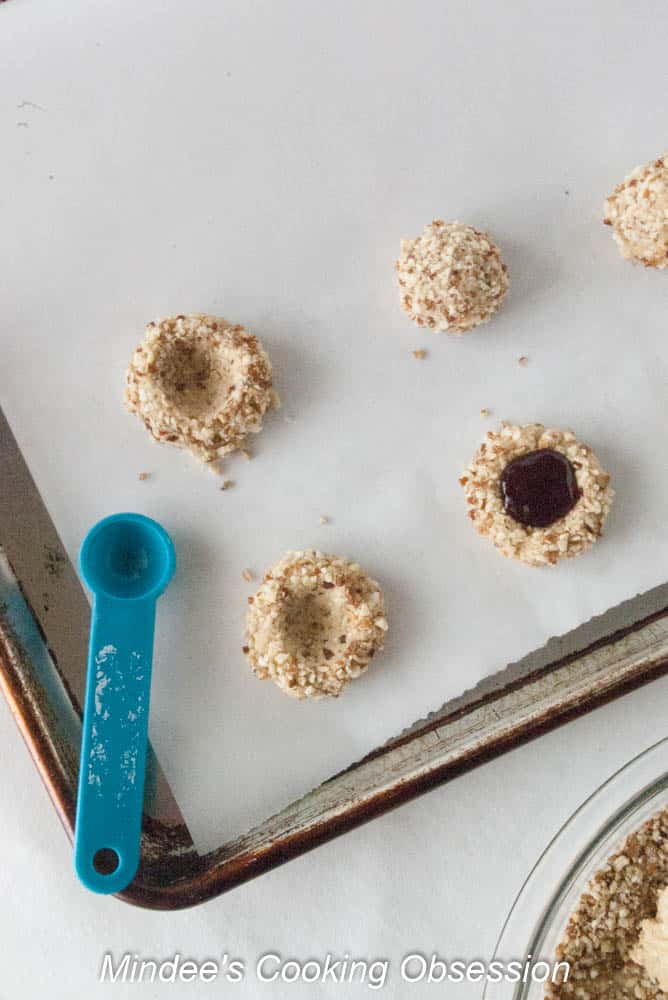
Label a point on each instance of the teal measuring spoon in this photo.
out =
(127, 561)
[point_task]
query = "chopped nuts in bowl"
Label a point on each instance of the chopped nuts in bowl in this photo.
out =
(588, 895)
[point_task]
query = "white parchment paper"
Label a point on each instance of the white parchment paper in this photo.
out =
(261, 162)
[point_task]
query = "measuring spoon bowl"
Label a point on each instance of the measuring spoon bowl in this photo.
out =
(126, 560)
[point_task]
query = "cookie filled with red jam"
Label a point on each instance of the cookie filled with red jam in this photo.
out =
(539, 495)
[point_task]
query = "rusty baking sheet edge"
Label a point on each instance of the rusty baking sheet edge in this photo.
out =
(451, 741)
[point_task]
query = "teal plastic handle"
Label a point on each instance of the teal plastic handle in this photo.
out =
(127, 561)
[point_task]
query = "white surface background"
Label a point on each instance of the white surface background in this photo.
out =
(262, 162)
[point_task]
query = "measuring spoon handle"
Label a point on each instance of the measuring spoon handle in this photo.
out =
(114, 741)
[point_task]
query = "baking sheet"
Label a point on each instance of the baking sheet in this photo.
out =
(261, 162)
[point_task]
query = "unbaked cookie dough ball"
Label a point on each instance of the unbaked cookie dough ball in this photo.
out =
(638, 212)
(539, 495)
(200, 383)
(451, 277)
(315, 624)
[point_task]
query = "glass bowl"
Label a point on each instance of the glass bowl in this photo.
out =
(552, 891)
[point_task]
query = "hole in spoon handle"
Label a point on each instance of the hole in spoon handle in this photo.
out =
(114, 741)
